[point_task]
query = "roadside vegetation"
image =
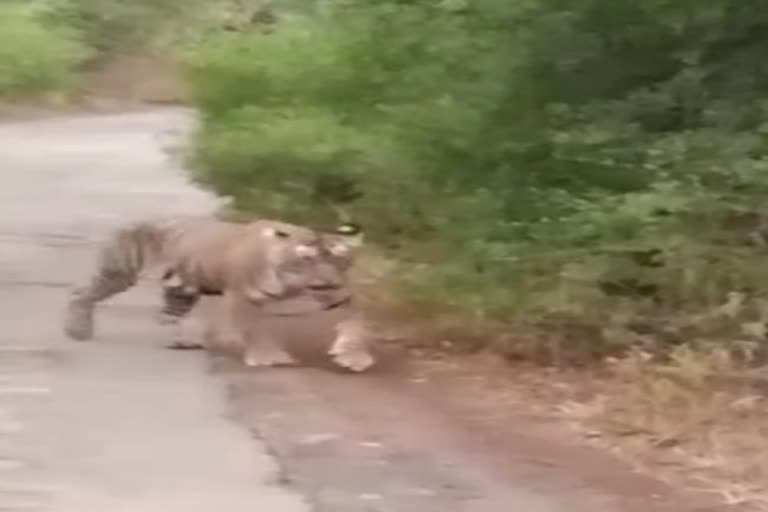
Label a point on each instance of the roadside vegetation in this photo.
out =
(36, 56)
(48, 47)
(568, 184)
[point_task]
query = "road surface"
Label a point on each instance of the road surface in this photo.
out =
(115, 425)
(120, 424)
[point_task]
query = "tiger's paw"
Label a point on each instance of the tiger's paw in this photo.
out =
(267, 358)
(357, 360)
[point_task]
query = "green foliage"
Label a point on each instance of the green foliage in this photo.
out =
(522, 155)
(110, 25)
(35, 57)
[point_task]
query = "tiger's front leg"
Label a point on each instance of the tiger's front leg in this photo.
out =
(350, 348)
(260, 348)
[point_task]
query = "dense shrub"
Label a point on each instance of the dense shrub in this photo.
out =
(533, 158)
(35, 56)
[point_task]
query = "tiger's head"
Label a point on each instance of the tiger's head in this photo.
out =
(300, 261)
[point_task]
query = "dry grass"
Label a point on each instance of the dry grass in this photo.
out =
(681, 421)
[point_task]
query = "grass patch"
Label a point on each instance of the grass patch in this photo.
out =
(36, 57)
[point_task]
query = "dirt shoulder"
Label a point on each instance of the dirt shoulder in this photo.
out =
(437, 432)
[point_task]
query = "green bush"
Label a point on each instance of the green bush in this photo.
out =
(525, 158)
(35, 56)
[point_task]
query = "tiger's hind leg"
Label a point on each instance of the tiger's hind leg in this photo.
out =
(178, 301)
(80, 309)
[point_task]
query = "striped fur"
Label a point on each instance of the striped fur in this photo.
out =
(264, 264)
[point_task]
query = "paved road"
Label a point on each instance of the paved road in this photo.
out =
(115, 425)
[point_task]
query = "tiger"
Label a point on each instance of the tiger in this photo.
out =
(261, 268)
